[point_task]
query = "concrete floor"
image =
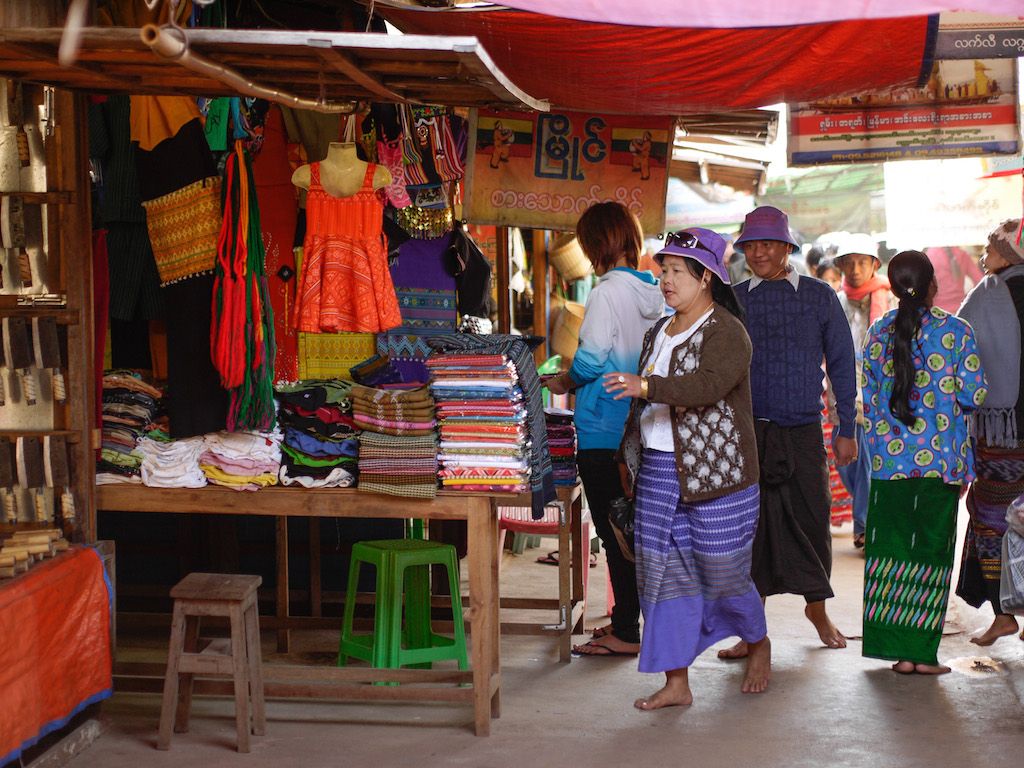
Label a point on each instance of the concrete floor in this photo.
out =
(824, 707)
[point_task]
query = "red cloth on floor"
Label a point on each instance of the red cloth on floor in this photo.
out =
(55, 655)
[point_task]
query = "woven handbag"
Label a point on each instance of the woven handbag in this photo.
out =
(183, 228)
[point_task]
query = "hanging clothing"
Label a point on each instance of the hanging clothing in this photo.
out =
(911, 531)
(134, 283)
(276, 196)
(176, 162)
(425, 289)
(242, 332)
(345, 283)
(196, 402)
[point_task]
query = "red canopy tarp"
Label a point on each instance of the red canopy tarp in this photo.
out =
(609, 68)
(54, 647)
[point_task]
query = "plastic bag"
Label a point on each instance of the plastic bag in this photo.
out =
(1011, 580)
(1015, 515)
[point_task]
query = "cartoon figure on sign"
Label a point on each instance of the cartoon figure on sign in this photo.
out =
(503, 138)
(640, 148)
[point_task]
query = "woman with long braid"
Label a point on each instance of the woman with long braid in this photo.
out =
(921, 380)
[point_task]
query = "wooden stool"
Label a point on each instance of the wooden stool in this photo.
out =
(214, 594)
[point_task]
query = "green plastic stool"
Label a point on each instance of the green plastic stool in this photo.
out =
(403, 577)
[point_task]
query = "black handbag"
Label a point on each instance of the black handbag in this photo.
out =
(621, 514)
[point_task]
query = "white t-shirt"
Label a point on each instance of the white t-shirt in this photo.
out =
(655, 421)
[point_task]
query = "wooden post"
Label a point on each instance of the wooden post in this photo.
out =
(501, 256)
(282, 609)
(539, 266)
(73, 241)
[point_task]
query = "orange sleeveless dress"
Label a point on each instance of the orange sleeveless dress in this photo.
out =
(345, 283)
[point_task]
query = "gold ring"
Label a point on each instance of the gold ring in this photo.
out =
(622, 379)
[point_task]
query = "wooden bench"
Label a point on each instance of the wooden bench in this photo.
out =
(239, 657)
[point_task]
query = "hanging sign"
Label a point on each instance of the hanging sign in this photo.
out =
(543, 170)
(967, 108)
(946, 202)
(966, 34)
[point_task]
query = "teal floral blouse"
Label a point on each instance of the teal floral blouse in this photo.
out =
(948, 386)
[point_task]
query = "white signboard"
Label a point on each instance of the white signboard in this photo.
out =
(946, 202)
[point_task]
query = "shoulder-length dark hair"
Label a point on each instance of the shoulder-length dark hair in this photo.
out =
(720, 292)
(608, 232)
(911, 275)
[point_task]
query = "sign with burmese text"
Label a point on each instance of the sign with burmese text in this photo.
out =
(968, 108)
(543, 170)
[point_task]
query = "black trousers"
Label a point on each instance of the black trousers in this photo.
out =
(600, 474)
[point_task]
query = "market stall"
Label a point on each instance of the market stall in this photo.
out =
(213, 216)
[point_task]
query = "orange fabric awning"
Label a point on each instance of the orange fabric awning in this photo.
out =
(609, 68)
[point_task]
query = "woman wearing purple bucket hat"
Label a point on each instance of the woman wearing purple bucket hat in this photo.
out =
(691, 455)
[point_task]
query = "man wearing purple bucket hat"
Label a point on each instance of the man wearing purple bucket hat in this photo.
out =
(794, 322)
(691, 457)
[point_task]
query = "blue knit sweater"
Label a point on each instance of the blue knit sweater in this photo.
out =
(791, 332)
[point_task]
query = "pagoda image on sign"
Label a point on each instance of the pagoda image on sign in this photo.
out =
(979, 90)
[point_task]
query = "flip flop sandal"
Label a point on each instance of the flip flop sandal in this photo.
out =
(551, 558)
(605, 651)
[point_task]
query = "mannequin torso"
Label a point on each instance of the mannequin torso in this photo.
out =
(341, 172)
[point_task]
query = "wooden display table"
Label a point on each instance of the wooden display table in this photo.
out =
(478, 510)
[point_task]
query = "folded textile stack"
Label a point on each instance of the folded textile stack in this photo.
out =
(168, 463)
(375, 371)
(129, 407)
(482, 421)
(519, 351)
(320, 447)
(398, 444)
(245, 461)
(561, 444)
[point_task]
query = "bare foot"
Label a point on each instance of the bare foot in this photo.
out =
(609, 645)
(928, 669)
(903, 667)
(739, 651)
(604, 631)
(674, 694)
(759, 667)
(827, 631)
(1002, 625)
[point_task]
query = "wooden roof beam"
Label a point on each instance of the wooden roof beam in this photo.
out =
(348, 67)
(48, 57)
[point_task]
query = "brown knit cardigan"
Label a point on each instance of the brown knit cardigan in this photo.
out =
(712, 417)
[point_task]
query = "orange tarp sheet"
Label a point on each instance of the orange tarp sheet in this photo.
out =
(54, 647)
